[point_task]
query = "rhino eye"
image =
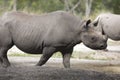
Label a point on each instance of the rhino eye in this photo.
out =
(93, 39)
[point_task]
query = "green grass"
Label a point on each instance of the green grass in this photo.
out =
(23, 55)
(75, 55)
(55, 55)
(113, 43)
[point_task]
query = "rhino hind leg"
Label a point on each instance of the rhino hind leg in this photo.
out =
(66, 57)
(47, 53)
(3, 57)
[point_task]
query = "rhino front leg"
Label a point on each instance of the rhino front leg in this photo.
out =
(47, 53)
(66, 58)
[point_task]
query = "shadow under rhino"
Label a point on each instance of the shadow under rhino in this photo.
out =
(18, 72)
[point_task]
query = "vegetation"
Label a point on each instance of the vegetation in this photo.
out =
(76, 55)
(81, 8)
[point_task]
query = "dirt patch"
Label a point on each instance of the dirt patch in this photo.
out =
(23, 68)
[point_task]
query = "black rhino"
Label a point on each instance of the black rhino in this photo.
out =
(46, 34)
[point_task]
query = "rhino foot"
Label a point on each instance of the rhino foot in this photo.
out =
(5, 65)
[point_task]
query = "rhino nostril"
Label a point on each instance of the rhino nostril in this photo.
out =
(102, 46)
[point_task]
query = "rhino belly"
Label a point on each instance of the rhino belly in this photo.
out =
(29, 47)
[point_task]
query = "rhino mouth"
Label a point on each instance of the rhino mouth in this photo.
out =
(101, 47)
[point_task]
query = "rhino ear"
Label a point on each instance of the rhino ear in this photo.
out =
(88, 22)
(85, 27)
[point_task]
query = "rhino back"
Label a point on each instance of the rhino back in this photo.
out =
(31, 33)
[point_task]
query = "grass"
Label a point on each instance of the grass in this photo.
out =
(77, 55)
(112, 42)
(23, 55)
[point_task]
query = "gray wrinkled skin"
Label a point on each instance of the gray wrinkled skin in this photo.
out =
(108, 24)
(46, 34)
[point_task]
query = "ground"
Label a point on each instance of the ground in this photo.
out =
(23, 68)
(100, 66)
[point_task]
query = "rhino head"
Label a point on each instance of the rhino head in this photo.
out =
(93, 38)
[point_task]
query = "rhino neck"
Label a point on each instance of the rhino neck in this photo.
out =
(78, 32)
